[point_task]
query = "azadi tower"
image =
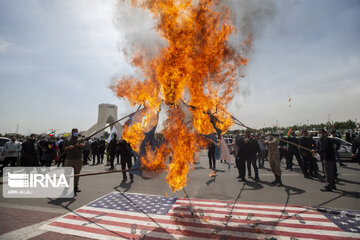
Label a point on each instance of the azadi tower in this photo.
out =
(107, 114)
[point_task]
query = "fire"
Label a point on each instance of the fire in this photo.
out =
(196, 71)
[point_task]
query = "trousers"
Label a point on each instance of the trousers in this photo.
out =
(251, 160)
(126, 160)
(76, 164)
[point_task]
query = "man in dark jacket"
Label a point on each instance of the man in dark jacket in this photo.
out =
(48, 148)
(251, 148)
(95, 151)
(239, 145)
(62, 155)
(126, 154)
(111, 149)
(293, 151)
(355, 150)
(211, 155)
(29, 156)
(327, 153)
(306, 142)
(101, 149)
(314, 168)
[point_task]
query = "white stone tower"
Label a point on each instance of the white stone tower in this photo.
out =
(107, 114)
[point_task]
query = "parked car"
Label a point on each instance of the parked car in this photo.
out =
(3, 140)
(345, 148)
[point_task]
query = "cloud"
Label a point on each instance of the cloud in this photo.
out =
(4, 45)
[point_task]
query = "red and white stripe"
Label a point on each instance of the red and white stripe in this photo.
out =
(181, 223)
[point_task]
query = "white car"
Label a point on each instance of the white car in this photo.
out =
(3, 140)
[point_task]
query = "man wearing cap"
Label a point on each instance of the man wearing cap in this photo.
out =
(74, 150)
(274, 157)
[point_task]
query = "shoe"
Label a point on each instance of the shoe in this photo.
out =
(257, 179)
(326, 189)
(279, 182)
(132, 180)
(343, 165)
(242, 180)
(124, 180)
(238, 176)
(77, 190)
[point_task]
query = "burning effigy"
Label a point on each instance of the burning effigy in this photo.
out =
(193, 77)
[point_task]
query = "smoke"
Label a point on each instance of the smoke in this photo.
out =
(138, 33)
(137, 30)
(251, 16)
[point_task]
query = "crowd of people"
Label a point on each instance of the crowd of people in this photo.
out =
(251, 150)
(75, 151)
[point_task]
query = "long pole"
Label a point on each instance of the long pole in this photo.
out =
(104, 172)
(91, 174)
(283, 140)
(110, 125)
(237, 122)
(82, 140)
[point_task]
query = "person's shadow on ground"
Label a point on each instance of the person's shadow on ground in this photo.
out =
(125, 186)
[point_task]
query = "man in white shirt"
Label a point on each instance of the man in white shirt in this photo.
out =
(11, 149)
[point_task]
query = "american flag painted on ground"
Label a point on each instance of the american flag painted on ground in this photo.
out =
(141, 216)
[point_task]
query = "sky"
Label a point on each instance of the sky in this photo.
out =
(58, 58)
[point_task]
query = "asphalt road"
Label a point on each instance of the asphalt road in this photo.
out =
(25, 214)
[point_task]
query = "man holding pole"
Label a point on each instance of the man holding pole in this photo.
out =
(293, 151)
(126, 153)
(74, 149)
(274, 157)
(306, 142)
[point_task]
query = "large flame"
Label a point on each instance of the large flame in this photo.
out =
(198, 66)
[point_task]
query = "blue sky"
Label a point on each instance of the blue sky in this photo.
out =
(57, 59)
